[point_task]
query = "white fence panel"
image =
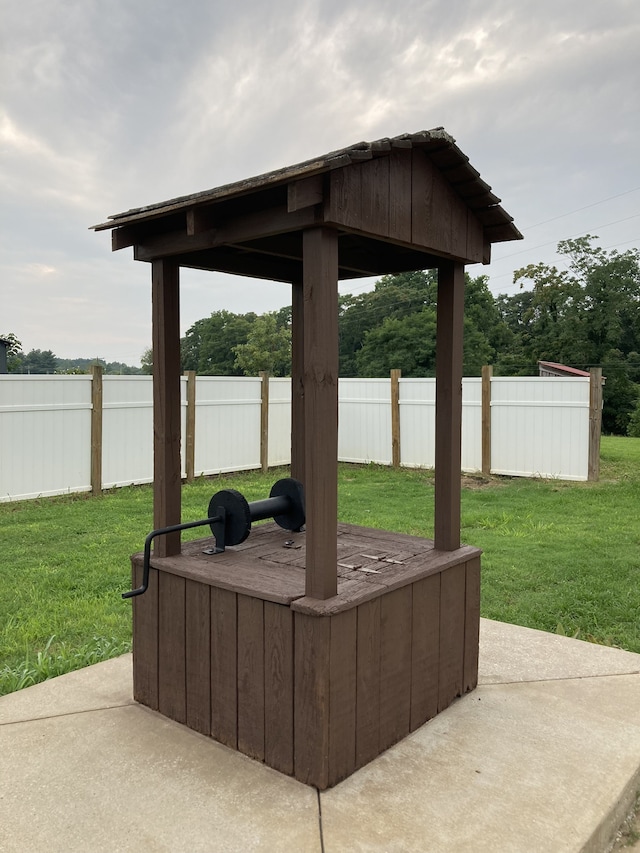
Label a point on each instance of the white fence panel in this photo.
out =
(471, 425)
(364, 422)
(45, 436)
(227, 424)
(127, 430)
(279, 421)
(540, 427)
(418, 422)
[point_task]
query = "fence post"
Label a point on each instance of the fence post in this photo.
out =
(264, 420)
(395, 417)
(96, 429)
(595, 422)
(487, 375)
(190, 441)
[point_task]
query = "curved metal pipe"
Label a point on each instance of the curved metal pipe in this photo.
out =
(216, 519)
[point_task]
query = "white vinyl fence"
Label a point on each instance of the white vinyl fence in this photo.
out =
(539, 427)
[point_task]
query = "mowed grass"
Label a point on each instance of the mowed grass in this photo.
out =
(562, 557)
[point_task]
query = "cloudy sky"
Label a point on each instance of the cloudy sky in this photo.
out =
(108, 106)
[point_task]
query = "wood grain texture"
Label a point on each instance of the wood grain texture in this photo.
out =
(395, 665)
(595, 422)
(190, 438)
(278, 687)
(487, 375)
(421, 198)
(368, 683)
(471, 625)
(448, 405)
(343, 205)
(400, 195)
(321, 409)
(297, 382)
(96, 429)
(374, 196)
(165, 314)
(311, 700)
(145, 638)
(342, 696)
(395, 417)
(251, 677)
(224, 700)
(452, 616)
(198, 656)
(172, 693)
(425, 650)
(264, 420)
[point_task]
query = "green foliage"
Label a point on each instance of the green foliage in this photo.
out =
(407, 343)
(35, 361)
(586, 315)
(66, 560)
(633, 427)
(394, 325)
(268, 347)
(146, 362)
(208, 346)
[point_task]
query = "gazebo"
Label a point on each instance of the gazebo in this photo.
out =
(314, 652)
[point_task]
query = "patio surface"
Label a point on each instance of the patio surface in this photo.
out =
(543, 756)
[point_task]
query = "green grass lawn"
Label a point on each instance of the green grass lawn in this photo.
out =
(562, 557)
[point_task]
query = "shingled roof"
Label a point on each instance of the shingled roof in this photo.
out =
(358, 189)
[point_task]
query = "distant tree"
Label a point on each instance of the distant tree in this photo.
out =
(146, 361)
(208, 346)
(14, 352)
(38, 361)
(584, 316)
(407, 343)
(268, 347)
(394, 296)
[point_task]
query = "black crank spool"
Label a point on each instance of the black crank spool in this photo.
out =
(285, 505)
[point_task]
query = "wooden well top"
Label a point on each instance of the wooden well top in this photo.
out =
(270, 565)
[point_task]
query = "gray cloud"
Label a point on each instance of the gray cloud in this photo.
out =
(106, 107)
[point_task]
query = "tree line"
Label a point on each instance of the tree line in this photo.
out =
(584, 315)
(42, 362)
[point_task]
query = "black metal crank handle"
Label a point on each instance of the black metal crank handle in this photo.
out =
(216, 519)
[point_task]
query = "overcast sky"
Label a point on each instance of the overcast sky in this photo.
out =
(106, 106)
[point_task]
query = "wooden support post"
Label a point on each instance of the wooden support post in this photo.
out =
(264, 420)
(297, 382)
(595, 422)
(395, 418)
(165, 311)
(190, 441)
(448, 405)
(96, 429)
(487, 375)
(320, 286)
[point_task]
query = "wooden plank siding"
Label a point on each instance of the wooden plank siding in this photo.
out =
(145, 638)
(405, 198)
(172, 680)
(224, 667)
(278, 687)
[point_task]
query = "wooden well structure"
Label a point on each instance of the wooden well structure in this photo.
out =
(316, 657)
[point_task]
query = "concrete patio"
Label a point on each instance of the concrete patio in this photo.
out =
(543, 756)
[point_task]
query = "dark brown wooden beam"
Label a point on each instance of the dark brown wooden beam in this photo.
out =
(305, 193)
(320, 286)
(297, 381)
(242, 228)
(165, 310)
(448, 405)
